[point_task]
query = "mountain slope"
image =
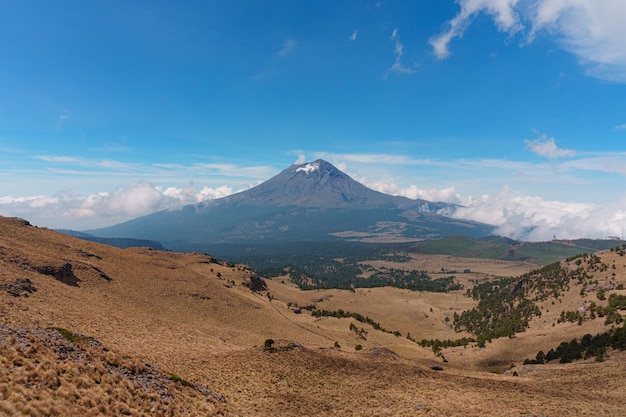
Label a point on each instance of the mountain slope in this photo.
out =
(308, 202)
(191, 315)
(320, 184)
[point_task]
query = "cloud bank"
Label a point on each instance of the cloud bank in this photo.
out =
(592, 30)
(524, 217)
(517, 210)
(79, 212)
(515, 215)
(533, 218)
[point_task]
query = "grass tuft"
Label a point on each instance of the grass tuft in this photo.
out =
(180, 380)
(71, 336)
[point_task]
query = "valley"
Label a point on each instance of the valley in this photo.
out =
(313, 208)
(242, 348)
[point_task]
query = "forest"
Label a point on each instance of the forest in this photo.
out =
(588, 347)
(344, 266)
(506, 306)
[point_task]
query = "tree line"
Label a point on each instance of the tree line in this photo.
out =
(587, 347)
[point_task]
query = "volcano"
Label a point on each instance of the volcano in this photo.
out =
(320, 184)
(310, 202)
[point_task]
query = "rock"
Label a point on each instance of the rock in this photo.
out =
(255, 283)
(20, 287)
(195, 294)
(384, 352)
(61, 273)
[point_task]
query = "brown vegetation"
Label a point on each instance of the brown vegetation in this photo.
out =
(151, 331)
(55, 372)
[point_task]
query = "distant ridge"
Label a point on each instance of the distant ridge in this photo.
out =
(310, 202)
(122, 243)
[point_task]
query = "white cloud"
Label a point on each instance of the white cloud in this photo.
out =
(523, 217)
(62, 119)
(354, 35)
(288, 47)
(208, 193)
(70, 165)
(593, 30)
(525, 214)
(502, 12)
(113, 146)
(620, 127)
(55, 158)
(369, 158)
(545, 146)
(398, 66)
(67, 210)
(447, 195)
(536, 219)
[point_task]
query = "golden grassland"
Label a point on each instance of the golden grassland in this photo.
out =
(43, 374)
(159, 313)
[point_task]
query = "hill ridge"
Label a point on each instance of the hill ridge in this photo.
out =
(196, 317)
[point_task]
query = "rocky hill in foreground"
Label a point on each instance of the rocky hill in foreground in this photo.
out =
(89, 329)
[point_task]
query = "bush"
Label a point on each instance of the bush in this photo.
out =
(71, 336)
(269, 344)
(358, 347)
(179, 380)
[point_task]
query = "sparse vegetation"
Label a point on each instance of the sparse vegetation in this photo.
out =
(437, 344)
(502, 311)
(588, 347)
(358, 317)
(157, 325)
(506, 306)
(180, 381)
(269, 344)
(44, 374)
(71, 336)
(341, 265)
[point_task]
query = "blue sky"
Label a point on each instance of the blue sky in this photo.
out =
(514, 108)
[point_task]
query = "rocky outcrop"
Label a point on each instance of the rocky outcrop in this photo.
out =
(60, 272)
(255, 283)
(21, 287)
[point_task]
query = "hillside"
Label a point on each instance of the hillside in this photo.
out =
(192, 324)
(497, 247)
(118, 242)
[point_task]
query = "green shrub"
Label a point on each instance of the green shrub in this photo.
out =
(71, 336)
(180, 381)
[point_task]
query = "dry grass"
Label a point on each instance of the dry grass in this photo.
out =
(45, 374)
(175, 312)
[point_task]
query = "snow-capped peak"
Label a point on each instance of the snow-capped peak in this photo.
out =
(308, 168)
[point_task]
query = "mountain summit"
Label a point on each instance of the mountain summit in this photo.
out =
(321, 184)
(310, 202)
